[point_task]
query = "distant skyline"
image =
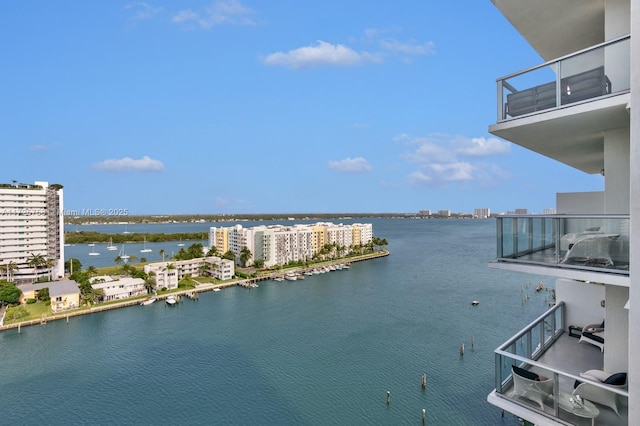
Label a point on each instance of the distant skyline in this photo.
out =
(226, 107)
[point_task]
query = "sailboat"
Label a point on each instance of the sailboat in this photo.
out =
(93, 251)
(145, 249)
(180, 244)
(122, 254)
(111, 247)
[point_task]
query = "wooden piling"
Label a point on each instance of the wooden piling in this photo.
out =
(388, 397)
(424, 381)
(472, 342)
(462, 349)
(424, 415)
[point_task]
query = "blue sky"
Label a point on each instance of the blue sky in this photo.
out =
(267, 107)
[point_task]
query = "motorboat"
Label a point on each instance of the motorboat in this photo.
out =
(291, 276)
(148, 301)
(171, 300)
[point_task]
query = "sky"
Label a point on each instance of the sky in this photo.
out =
(245, 106)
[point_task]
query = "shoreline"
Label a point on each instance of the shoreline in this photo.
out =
(200, 288)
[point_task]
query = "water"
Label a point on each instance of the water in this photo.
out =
(322, 351)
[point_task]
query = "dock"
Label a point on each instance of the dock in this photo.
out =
(191, 293)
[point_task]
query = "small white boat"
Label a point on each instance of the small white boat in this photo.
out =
(291, 276)
(171, 300)
(216, 289)
(123, 256)
(94, 253)
(145, 249)
(111, 247)
(148, 301)
(278, 279)
(475, 303)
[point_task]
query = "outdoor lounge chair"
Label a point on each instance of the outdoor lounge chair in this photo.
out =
(600, 396)
(527, 384)
(594, 334)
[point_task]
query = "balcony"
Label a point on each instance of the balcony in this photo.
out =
(563, 107)
(568, 246)
(543, 348)
(595, 72)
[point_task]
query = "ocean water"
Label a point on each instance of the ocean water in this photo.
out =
(323, 351)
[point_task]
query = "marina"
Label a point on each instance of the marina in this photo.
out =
(320, 351)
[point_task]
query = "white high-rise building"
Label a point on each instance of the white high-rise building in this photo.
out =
(31, 232)
(579, 362)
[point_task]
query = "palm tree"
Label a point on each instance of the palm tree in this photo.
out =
(245, 254)
(143, 260)
(150, 282)
(91, 270)
(50, 263)
(118, 260)
(35, 261)
(162, 253)
(11, 267)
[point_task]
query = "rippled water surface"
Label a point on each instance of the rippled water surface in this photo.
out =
(321, 351)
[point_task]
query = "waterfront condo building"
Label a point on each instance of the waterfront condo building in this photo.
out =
(579, 362)
(280, 244)
(31, 232)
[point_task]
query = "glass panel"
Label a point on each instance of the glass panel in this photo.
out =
(587, 75)
(593, 242)
(529, 92)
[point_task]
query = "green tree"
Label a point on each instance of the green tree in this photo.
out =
(245, 255)
(229, 255)
(43, 294)
(143, 260)
(72, 265)
(150, 282)
(213, 251)
(36, 261)
(9, 293)
(162, 253)
(92, 271)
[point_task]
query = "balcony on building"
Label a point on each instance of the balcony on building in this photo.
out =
(564, 106)
(558, 358)
(581, 247)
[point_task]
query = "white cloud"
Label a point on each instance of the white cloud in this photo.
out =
(221, 202)
(480, 147)
(142, 10)
(39, 148)
(410, 48)
(230, 12)
(322, 53)
(144, 164)
(351, 165)
(439, 159)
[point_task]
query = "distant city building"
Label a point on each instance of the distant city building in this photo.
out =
(424, 212)
(482, 213)
(444, 213)
(549, 211)
(31, 232)
(521, 211)
(280, 244)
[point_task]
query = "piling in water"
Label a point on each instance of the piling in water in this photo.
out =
(462, 349)
(388, 397)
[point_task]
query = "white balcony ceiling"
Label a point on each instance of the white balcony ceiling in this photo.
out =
(555, 28)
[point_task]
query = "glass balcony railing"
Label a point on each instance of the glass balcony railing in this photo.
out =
(592, 73)
(593, 242)
(549, 389)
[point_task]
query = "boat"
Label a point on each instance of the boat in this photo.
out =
(145, 249)
(216, 289)
(475, 303)
(122, 254)
(171, 300)
(111, 247)
(93, 252)
(278, 279)
(148, 301)
(291, 276)
(540, 286)
(180, 244)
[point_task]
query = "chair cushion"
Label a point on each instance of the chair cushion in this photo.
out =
(525, 373)
(617, 379)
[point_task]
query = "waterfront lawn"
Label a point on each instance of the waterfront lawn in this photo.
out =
(34, 311)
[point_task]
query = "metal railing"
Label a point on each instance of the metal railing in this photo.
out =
(591, 73)
(525, 349)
